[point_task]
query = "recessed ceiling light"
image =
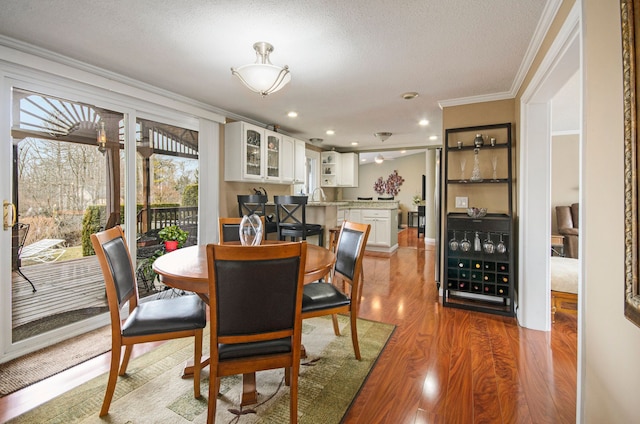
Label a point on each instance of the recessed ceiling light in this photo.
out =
(433, 137)
(410, 95)
(363, 160)
(403, 151)
(424, 122)
(292, 114)
(354, 143)
(330, 132)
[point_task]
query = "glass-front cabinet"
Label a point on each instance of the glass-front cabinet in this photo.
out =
(252, 153)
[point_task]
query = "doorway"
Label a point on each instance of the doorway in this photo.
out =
(560, 64)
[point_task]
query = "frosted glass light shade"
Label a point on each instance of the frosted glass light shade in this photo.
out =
(263, 77)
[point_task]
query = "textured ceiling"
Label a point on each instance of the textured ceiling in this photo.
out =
(350, 60)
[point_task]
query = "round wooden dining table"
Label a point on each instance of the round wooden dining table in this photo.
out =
(186, 269)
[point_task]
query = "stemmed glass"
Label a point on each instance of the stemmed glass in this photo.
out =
(463, 164)
(501, 248)
(465, 244)
(488, 246)
(494, 165)
(453, 243)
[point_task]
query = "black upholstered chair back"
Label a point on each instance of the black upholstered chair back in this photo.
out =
(257, 296)
(229, 228)
(230, 232)
(349, 247)
(119, 262)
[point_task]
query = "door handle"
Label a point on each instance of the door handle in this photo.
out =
(5, 214)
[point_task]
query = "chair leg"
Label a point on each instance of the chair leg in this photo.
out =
(197, 363)
(287, 376)
(125, 359)
(111, 382)
(336, 328)
(26, 278)
(214, 389)
(354, 334)
(293, 393)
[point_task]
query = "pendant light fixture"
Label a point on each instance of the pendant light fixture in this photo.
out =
(262, 76)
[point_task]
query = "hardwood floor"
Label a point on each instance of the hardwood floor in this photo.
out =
(442, 365)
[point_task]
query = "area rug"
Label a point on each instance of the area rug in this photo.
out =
(153, 392)
(36, 366)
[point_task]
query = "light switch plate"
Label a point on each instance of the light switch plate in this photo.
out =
(462, 202)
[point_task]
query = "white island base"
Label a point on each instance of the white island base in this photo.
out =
(382, 215)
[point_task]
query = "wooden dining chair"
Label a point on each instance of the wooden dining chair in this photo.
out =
(255, 299)
(327, 298)
(229, 229)
(153, 320)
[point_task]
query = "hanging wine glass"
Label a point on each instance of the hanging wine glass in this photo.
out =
(488, 245)
(250, 230)
(501, 248)
(453, 243)
(465, 244)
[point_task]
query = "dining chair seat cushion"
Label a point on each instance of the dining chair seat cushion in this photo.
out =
(166, 315)
(243, 350)
(319, 296)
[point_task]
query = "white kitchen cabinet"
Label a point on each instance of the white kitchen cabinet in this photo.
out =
(380, 221)
(339, 169)
(287, 160)
(300, 161)
(349, 165)
(354, 215)
(251, 153)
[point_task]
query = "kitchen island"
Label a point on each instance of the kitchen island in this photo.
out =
(382, 215)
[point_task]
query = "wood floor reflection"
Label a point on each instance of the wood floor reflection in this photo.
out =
(442, 365)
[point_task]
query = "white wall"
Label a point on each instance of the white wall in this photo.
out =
(611, 343)
(411, 168)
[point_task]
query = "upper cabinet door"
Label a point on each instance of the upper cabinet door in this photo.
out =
(244, 152)
(300, 162)
(287, 162)
(272, 151)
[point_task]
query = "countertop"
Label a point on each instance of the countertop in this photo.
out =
(359, 204)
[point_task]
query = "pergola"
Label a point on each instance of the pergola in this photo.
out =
(49, 118)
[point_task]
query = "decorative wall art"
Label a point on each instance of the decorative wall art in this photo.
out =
(391, 186)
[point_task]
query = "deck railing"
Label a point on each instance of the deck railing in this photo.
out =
(158, 218)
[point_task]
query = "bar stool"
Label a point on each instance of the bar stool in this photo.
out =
(290, 225)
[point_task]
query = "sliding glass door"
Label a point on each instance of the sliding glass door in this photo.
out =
(70, 177)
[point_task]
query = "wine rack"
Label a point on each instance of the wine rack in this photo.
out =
(479, 260)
